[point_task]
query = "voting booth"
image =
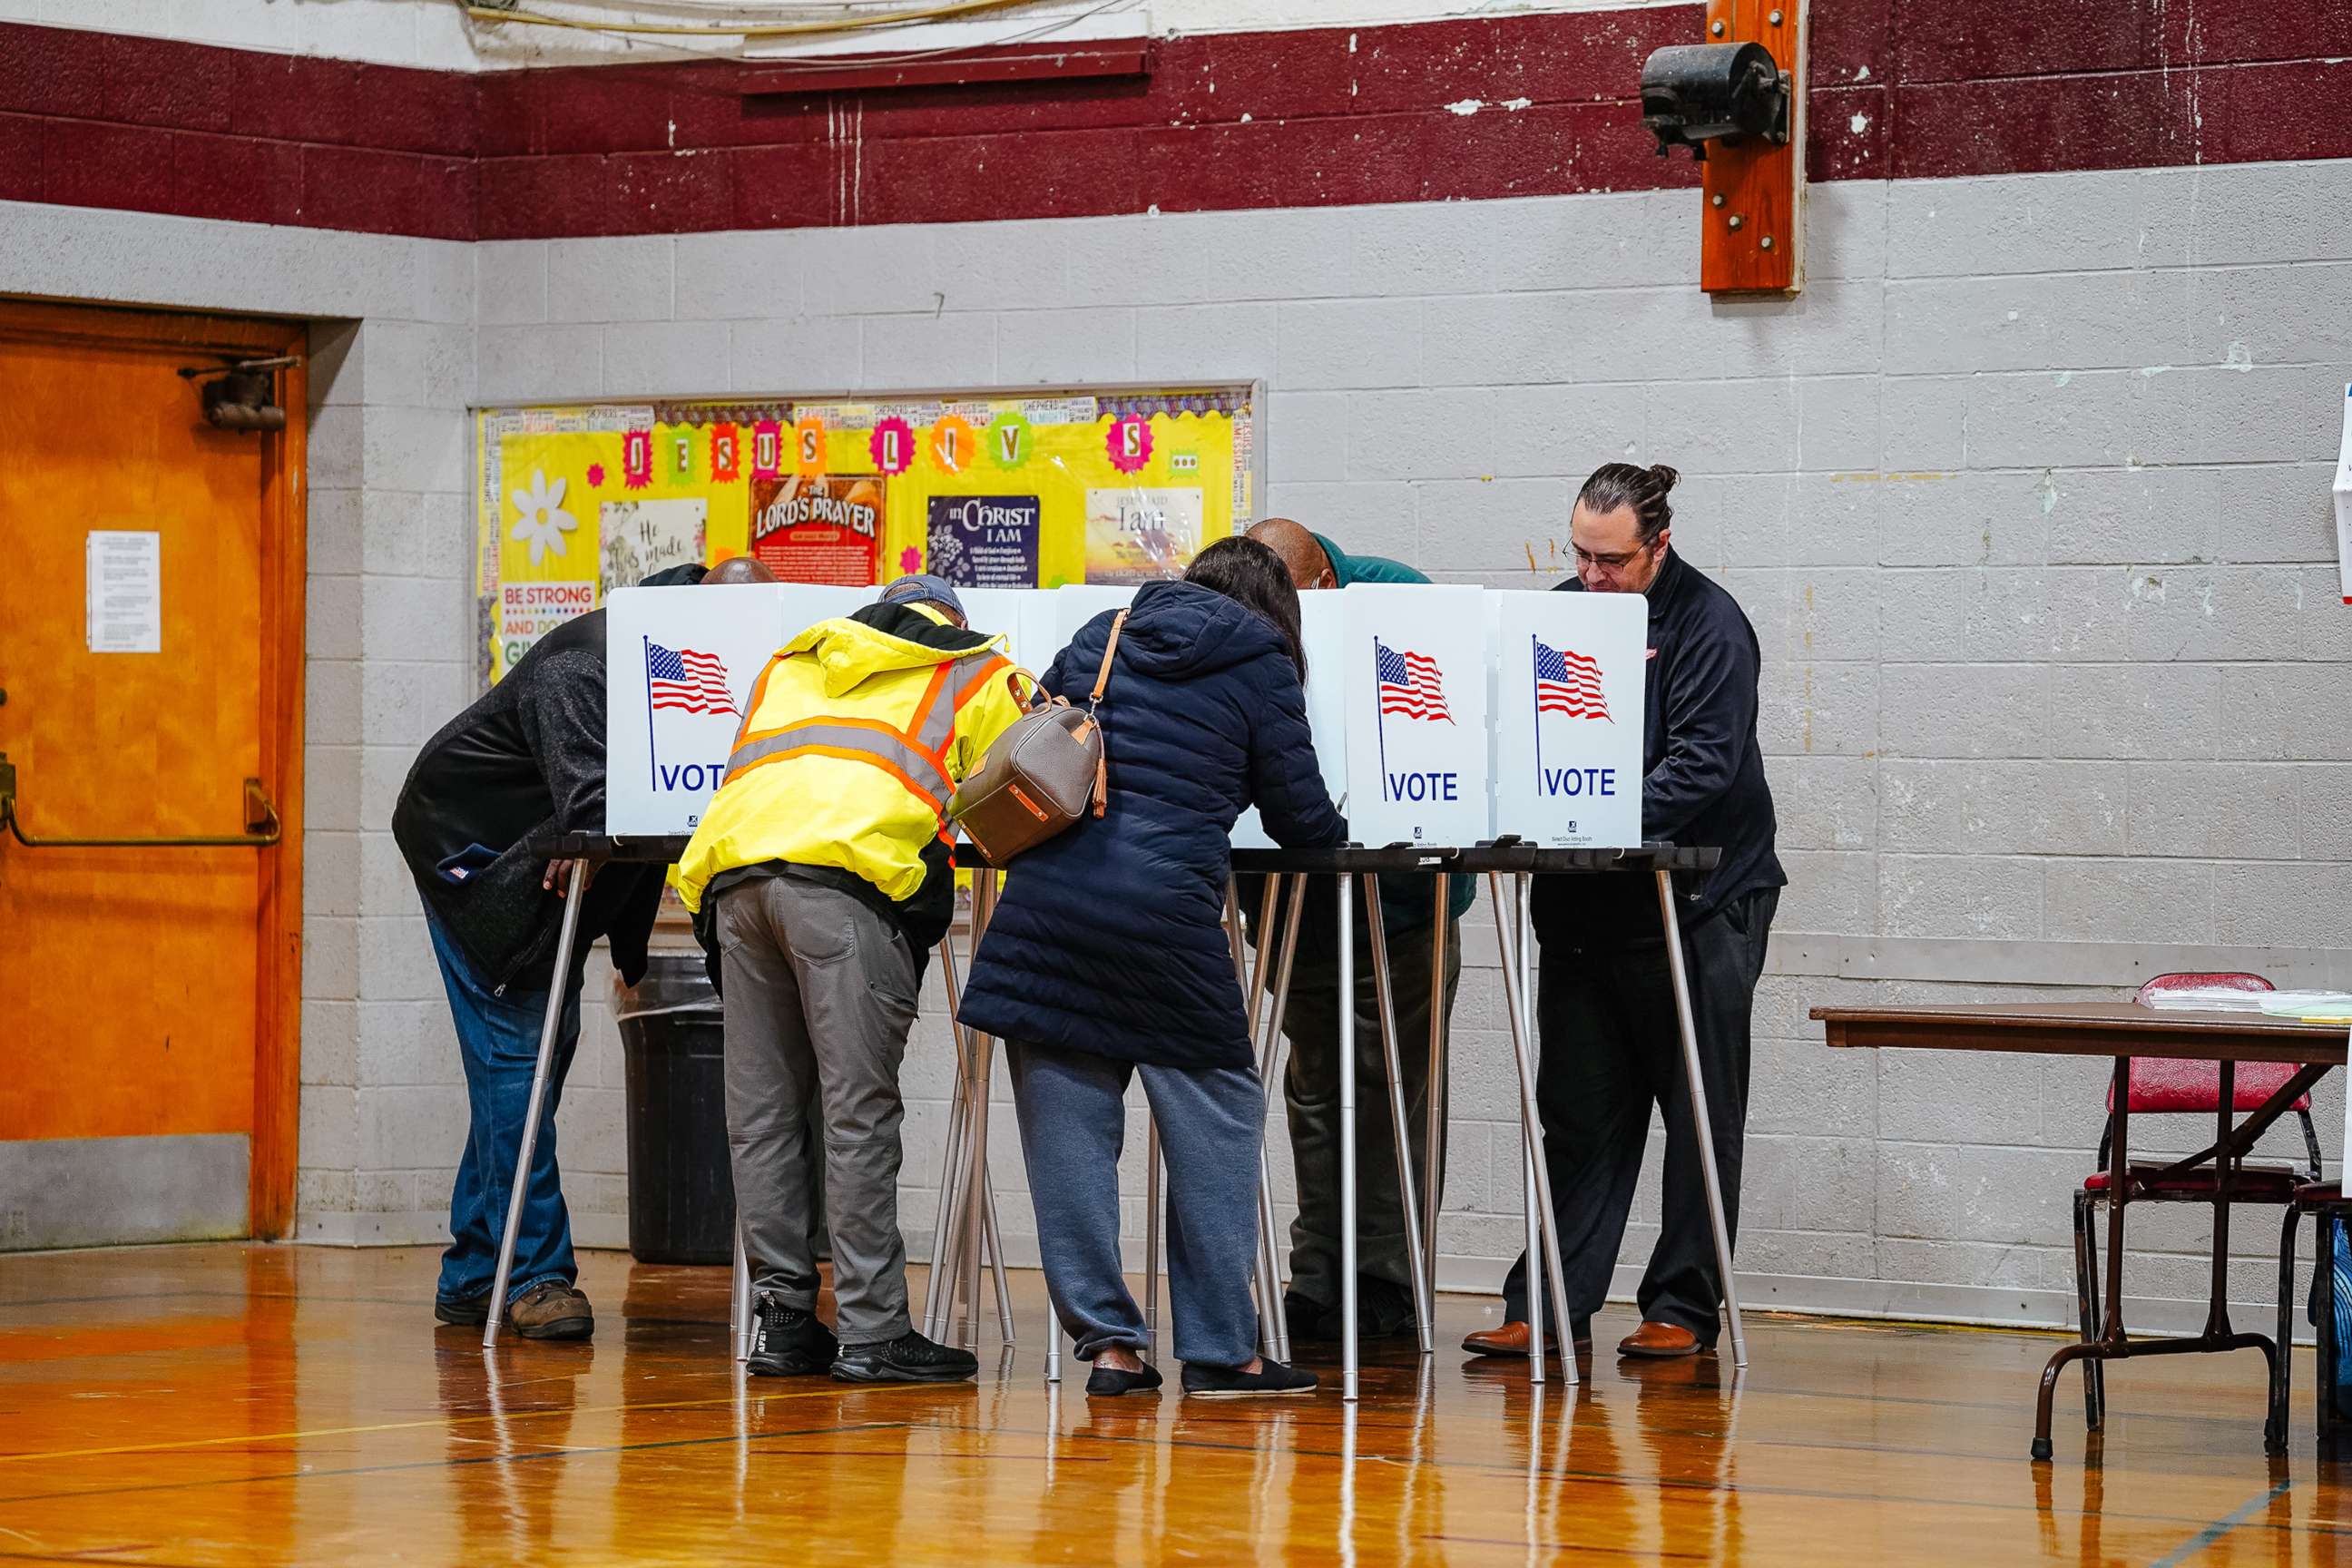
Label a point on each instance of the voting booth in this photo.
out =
(679, 671)
(1441, 716)
(1462, 732)
(1322, 628)
(1570, 671)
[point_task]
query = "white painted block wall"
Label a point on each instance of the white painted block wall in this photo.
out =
(2027, 495)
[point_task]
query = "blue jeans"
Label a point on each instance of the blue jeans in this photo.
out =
(1073, 1119)
(498, 1040)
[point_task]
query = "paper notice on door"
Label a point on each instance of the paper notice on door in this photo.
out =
(2344, 533)
(124, 588)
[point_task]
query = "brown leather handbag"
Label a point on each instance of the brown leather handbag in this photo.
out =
(1040, 775)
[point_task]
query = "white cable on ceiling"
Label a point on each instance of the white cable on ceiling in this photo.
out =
(938, 10)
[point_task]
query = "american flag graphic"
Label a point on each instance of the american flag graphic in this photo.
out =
(1409, 683)
(1567, 682)
(686, 681)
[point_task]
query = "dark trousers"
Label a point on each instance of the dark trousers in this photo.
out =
(1611, 1050)
(1310, 1090)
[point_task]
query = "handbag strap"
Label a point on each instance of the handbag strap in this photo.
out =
(1102, 754)
(1102, 675)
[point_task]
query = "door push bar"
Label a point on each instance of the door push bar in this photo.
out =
(261, 826)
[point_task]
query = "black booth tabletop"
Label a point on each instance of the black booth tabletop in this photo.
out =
(659, 850)
(1507, 857)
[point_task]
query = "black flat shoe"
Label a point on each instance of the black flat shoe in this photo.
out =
(1233, 1383)
(1108, 1381)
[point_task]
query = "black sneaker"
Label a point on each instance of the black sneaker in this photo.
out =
(788, 1343)
(909, 1358)
(1233, 1383)
(1110, 1381)
(1384, 1308)
(1310, 1321)
(462, 1312)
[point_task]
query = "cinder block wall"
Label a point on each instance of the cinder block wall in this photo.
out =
(2027, 495)
(2028, 498)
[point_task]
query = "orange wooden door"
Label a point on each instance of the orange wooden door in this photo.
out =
(147, 994)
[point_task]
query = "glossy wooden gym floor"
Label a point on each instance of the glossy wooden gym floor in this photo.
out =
(234, 1404)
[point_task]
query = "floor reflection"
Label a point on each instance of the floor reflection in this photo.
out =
(207, 1406)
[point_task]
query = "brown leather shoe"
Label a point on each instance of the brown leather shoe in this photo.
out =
(1507, 1338)
(1511, 1339)
(551, 1310)
(1660, 1342)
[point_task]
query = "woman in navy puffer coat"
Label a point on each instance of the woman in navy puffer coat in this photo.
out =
(1108, 953)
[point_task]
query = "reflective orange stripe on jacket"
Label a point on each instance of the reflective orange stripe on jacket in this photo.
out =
(915, 756)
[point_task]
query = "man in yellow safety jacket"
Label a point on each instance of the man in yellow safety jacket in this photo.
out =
(822, 875)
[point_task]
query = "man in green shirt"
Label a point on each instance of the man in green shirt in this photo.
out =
(1312, 1024)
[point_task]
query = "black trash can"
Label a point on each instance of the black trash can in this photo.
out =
(681, 1198)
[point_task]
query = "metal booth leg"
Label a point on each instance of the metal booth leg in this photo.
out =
(947, 1229)
(740, 1316)
(1545, 1253)
(1516, 975)
(1535, 1245)
(1348, 1348)
(955, 1166)
(1150, 1236)
(1270, 1263)
(1399, 1123)
(969, 1262)
(958, 1127)
(996, 1262)
(539, 1077)
(1253, 976)
(1269, 1071)
(1699, 1118)
(1433, 1169)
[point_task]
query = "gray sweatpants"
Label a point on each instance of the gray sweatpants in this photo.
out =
(1073, 1123)
(818, 986)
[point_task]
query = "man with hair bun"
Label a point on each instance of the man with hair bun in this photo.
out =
(1611, 1044)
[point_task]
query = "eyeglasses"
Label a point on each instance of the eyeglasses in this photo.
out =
(1610, 562)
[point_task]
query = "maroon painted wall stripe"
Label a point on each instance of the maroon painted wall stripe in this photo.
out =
(1902, 89)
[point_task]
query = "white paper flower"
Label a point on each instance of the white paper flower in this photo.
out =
(540, 521)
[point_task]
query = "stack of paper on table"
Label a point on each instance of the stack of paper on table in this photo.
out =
(2229, 999)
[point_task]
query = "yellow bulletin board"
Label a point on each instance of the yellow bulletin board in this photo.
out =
(1004, 489)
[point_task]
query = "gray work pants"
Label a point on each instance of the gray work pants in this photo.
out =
(1310, 1091)
(819, 987)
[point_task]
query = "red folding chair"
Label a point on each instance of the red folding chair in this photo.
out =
(2164, 1087)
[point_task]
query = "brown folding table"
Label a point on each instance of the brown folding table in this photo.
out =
(2123, 1030)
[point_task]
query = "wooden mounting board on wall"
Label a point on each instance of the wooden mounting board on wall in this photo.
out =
(1753, 238)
